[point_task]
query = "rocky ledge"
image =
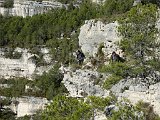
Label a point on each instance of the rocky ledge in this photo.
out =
(82, 83)
(25, 65)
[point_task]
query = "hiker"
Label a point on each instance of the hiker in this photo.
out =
(80, 57)
(116, 58)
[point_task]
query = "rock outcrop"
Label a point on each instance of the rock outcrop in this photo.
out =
(28, 105)
(93, 33)
(24, 66)
(81, 83)
(29, 8)
(136, 90)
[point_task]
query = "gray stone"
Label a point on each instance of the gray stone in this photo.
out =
(123, 84)
(29, 8)
(93, 33)
(82, 83)
(139, 91)
(140, 88)
(28, 105)
(22, 67)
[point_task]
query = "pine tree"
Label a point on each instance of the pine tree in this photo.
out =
(139, 33)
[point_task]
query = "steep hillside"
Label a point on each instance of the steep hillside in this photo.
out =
(88, 60)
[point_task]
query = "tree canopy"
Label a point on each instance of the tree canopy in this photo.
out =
(139, 34)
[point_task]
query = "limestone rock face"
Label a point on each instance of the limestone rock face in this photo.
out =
(22, 67)
(81, 83)
(136, 90)
(28, 105)
(93, 33)
(29, 8)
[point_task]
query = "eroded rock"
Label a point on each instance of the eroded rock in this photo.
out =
(93, 33)
(23, 66)
(29, 8)
(138, 91)
(80, 83)
(28, 105)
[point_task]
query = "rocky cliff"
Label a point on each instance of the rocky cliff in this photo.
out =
(93, 33)
(24, 66)
(29, 8)
(81, 83)
(137, 90)
(28, 105)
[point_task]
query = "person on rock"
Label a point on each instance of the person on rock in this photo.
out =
(80, 57)
(116, 58)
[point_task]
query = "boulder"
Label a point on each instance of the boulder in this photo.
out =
(138, 91)
(81, 83)
(93, 33)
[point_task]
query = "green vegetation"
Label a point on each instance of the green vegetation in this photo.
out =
(125, 112)
(139, 36)
(148, 110)
(66, 1)
(141, 111)
(4, 102)
(157, 2)
(117, 6)
(62, 49)
(117, 70)
(137, 27)
(12, 54)
(58, 30)
(37, 0)
(37, 30)
(100, 53)
(48, 85)
(66, 108)
(16, 87)
(112, 80)
(8, 3)
(7, 114)
(48, 29)
(100, 103)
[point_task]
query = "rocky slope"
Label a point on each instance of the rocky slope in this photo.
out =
(81, 83)
(23, 66)
(135, 90)
(92, 34)
(85, 81)
(26, 67)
